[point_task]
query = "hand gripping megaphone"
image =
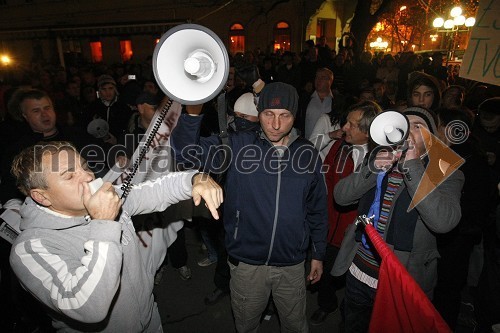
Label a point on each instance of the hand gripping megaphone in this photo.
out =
(190, 64)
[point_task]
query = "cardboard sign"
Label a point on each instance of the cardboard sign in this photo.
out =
(481, 59)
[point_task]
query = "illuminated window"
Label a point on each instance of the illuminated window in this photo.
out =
(96, 51)
(282, 37)
(236, 38)
(126, 50)
(155, 39)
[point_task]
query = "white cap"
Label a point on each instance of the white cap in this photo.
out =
(245, 104)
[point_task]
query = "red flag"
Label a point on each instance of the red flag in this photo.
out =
(400, 304)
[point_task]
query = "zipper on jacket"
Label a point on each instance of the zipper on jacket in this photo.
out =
(237, 224)
(278, 189)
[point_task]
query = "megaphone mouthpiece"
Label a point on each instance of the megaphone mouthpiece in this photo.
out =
(389, 128)
(392, 134)
(192, 65)
(200, 65)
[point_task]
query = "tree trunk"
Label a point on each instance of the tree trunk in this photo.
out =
(363, 22)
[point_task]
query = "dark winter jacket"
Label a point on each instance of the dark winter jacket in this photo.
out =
(275, 200)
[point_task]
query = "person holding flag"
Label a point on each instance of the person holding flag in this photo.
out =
(408, 206)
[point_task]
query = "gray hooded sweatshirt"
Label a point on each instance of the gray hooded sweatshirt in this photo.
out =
(91, 274)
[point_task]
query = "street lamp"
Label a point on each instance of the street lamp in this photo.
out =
(379, 44)
(5, 60)
(452, 26)
(456, 20)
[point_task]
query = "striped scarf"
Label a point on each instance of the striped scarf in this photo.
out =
(365, 258)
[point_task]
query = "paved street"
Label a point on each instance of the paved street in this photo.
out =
(182, 308)
(183, 311)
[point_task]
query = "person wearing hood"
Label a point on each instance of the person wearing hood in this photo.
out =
(246, 117)
(423, 91)
(78, 253)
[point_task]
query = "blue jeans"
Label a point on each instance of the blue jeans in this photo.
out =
(358, 304)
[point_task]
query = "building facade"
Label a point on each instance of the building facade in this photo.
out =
(72, 31)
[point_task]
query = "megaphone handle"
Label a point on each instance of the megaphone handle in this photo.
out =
(127, 184)
(401, 160)
(222, 115)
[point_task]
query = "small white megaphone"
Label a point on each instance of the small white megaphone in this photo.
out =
(389, 128)
(190, 64)
(98, 128)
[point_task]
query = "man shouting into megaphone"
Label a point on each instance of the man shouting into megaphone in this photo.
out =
(78, 253)
(407, 205)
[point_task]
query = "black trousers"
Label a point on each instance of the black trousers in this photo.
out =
(328, 284)
(215, 231)
(222, 273)
(177, 252)
(358, 305)
(453, 268)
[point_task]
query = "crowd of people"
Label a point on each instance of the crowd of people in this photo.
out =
(305, 119)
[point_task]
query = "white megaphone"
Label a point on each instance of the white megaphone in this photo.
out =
(190, 64)
(389, 128)
(98, 128)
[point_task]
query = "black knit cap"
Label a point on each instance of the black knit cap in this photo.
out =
(427, 115)
(279, 95)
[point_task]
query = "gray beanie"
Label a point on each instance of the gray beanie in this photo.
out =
(105, 79)
(279, 95)
(427, 115)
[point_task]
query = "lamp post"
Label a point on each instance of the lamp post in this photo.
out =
(452, 26)
(378, 44)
